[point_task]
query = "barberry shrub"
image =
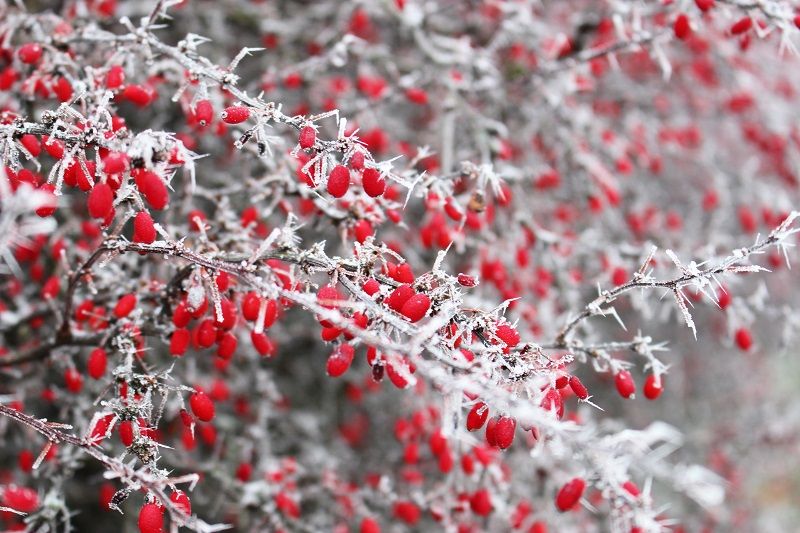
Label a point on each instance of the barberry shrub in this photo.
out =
(500, 265)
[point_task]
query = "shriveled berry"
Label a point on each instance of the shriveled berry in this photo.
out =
(466, 280)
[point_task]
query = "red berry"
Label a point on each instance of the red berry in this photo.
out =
(22, 499)
(723, 298)
(481, 503)
(653, 387)
(30, 53)
(371, 286)
(403, 273)
(477, 416)
(206, 333)
(742, 25)
(570, 494)
(339, 181)
(31, 144)
(399, 296)
(53, 147)
(204, 112)
(262, 344)
(50, 203)
(362, 230)
(704, 5)
(417, 96)
(507, 334)
(625, 384)
(369, 525)
(125, 305)
(357, 161)
(339, 361)
(631, 488)
(308, 136)
(179, 342)
(226, 345)
(101, 201)
(416, 307)
(202, 406)
(73, 380)
(504, 432)
(466, 281)
(151, 518)
(51, 288)
(115, 163)
(406, 511)
(744, 339)
(96, 365)
(144, 230)
(196, 219)
(373, 183)
(578, 388)
(137, 95)
(229, 315)
(126, 432)
(152, 187)
(681, 27)
(553, 401)
(235, 114)
(250, 306)
(181, 501)
(115, 77)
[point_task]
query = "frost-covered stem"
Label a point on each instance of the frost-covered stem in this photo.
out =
(673, 284)
(140, 478)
